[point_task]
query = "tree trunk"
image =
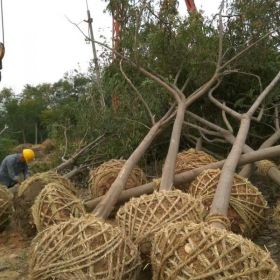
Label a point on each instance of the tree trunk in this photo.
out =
(188, 176)
(223, 192)
(170, 162)
(107, 204)
(247, 170)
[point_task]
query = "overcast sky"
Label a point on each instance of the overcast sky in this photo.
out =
(41, 45)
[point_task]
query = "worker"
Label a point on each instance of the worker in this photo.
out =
(14, 168)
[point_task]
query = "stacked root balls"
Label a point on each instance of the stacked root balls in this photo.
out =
(102, 177)
(198, 251)
(6, 206)
(142, 217)
(247, 205)
(55, 204)
(83, 248)
(27, 193)
(191, 159)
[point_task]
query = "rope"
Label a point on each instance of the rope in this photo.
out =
(264, 167)
(210, 219)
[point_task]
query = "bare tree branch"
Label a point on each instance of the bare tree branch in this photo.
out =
(276, 113)
(152, 117)
(226, 121)
(4, 128)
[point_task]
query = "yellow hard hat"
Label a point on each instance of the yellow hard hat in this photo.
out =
(28, 155)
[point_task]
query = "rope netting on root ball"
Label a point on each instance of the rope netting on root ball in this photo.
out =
(142, 217)
(6, 206)
(55, 204)
(199, 251)
(247, 206)
(264, 167)
(190, 159)
(83, 248)
(102, 177)
(26, 195)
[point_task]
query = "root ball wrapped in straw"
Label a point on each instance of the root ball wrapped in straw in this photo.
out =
(190, 159)
(142, 217)
(246, 207)
(6, 206)
(26, 195)
(83, 248)
(102, 177)
(198, 251)
(55, 204)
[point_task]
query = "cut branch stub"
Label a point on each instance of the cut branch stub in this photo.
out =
(247, 205)
(142, 217)
(199, 251)
(102, 177)
(88, 249)
(55, 204)
(6, 206)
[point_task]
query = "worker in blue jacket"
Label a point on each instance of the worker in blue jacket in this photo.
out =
(15, 165)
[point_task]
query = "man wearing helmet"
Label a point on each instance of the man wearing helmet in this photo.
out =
(15, 165)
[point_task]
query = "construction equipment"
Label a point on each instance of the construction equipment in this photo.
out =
(191, 6)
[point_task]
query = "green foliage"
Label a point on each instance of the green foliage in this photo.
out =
(6, 146)
(168, 45)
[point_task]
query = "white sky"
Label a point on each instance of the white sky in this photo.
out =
(41, 45)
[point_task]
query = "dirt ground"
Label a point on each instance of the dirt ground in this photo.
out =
(14, 251)
(14, 248)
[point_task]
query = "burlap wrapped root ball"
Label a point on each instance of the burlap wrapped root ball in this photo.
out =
(102, 177)
(191, 159)
(83, 248)
(247, 206)
(55, 204)
(142, 217)
(25, 197)
(199, 251)
(6, 206)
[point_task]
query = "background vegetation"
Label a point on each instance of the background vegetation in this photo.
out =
(169, 45)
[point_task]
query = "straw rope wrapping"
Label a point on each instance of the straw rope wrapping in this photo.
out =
(55, 204)
(276, 215)
(102, 177)
(43, 179)
(264, 166)
(142, 217)
(6, 206)
(190, 159)
(247, 205)
(26, 195)
(84, 248)
(198, 251)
